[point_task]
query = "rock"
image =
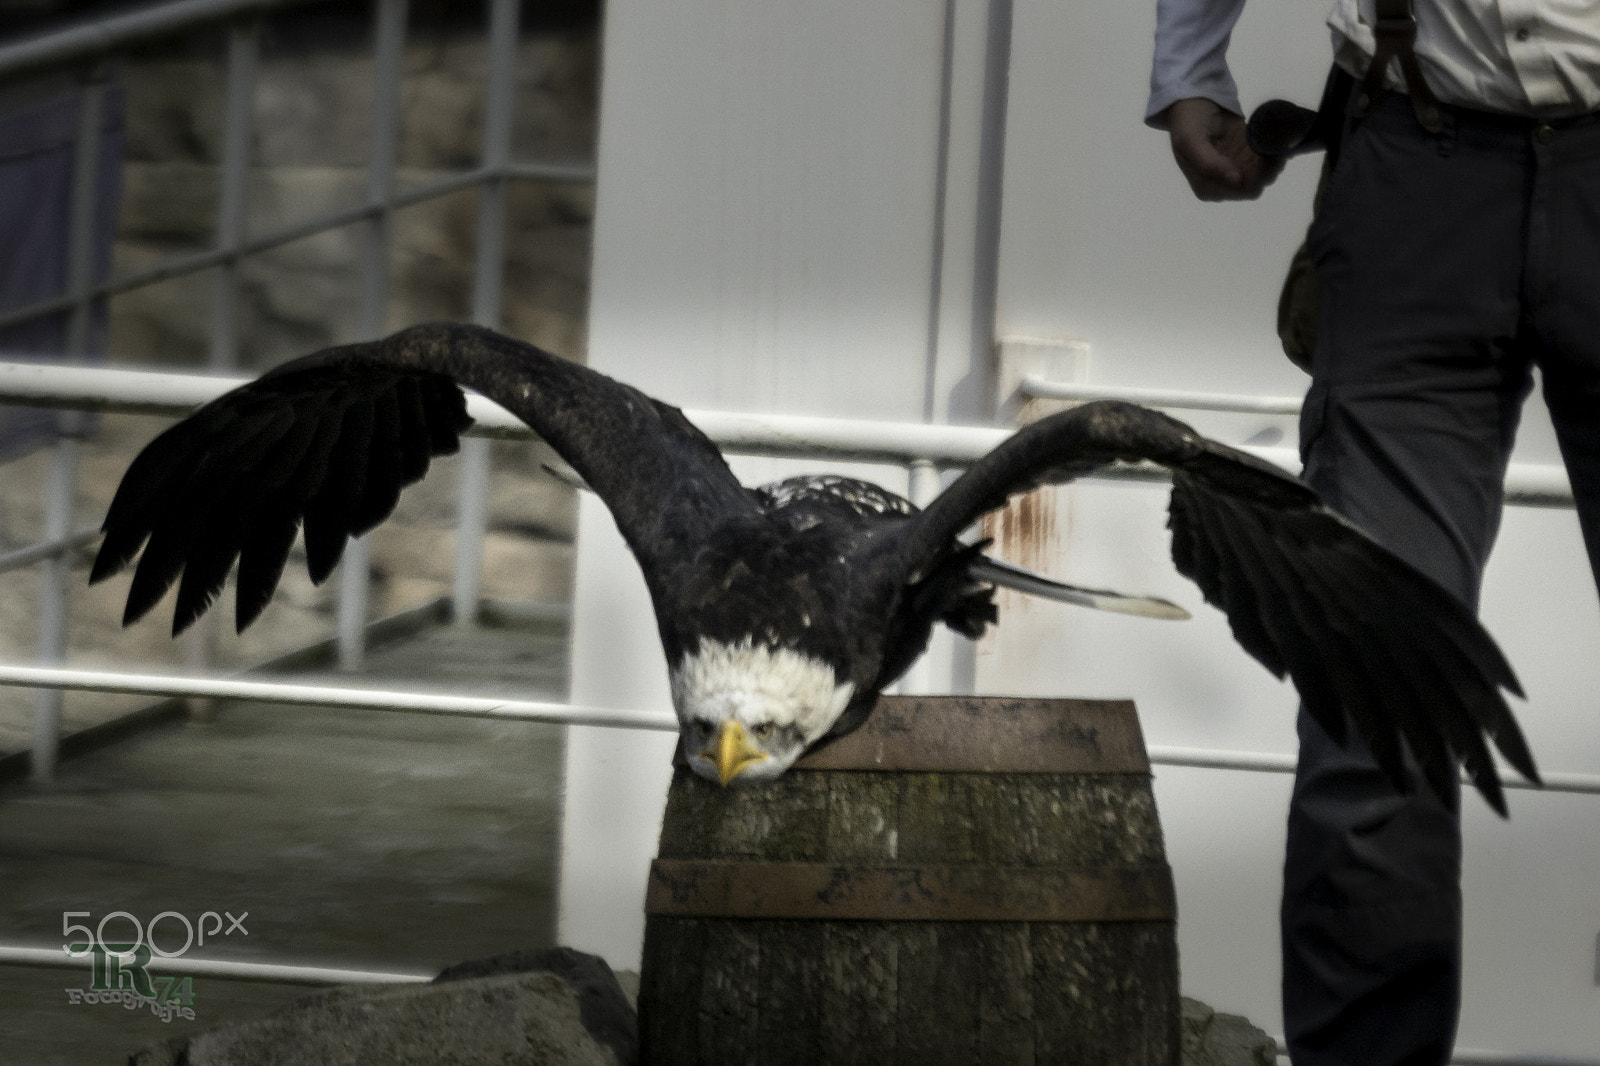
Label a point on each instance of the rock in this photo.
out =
(607, 1012)
(1212, 1039)
(555, 1007)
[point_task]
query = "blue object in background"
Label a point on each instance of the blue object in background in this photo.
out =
(38, 123)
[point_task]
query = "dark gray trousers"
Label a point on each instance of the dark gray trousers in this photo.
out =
(1450, 265)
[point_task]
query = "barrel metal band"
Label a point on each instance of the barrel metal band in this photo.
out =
(938, 893)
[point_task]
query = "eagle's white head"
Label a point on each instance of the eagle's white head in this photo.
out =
(747, 711)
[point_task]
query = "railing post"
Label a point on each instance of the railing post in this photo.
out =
(244, 51)
(390, 35)
(472, 511)
(60, 490)
(922, 485)
(63, 479)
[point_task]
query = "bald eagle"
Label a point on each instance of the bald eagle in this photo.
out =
(785, 610)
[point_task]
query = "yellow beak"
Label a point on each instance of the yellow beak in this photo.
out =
(732, 751)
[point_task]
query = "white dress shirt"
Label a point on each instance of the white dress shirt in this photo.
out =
(1539, 58)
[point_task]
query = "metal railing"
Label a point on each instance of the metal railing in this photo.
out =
(89, 46)
(1527, 484)
(239, 970)
(417, 702)
(923, 449)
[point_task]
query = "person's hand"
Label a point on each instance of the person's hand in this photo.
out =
(1209, 144)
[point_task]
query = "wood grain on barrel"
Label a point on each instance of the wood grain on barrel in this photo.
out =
(787, 988)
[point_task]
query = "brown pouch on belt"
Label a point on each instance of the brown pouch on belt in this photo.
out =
(1281, 129)
(1300, 302)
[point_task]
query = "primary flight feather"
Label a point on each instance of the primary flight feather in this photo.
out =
(785, 610)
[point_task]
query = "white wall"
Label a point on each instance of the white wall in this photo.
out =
(766, 241)
(763, 241)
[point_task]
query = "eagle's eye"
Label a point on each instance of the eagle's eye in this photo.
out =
(762, 731)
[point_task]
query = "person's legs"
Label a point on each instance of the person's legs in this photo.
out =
(1562, 323)
(1406, 431)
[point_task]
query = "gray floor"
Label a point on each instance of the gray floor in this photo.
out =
(356, 839)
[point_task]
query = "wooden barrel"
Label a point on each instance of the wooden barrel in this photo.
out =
(963, 880)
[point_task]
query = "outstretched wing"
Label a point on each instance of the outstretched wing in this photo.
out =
(329, 440)
(1366, 638)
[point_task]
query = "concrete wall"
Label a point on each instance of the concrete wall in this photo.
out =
(768, 224)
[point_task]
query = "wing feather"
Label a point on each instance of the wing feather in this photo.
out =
(325, 443)
(1363, 676)
(1354, 592)
(412, 434)
(380, 473)
(1367, 639)
(1197, 558)
(331, 512)
(178, 529)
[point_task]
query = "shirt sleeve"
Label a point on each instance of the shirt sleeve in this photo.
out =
(1191, 55)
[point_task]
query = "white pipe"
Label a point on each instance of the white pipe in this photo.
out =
(1527, 484)
(243, 971)
(333, 695)
(1277, 763)
(1218, 759)
(151, 392)
(922, 486)
(847, 437)
(1475, 1057)
(1479, 1057)
(355, 595)
(47, 549)
(53, 593)
(108, 389)
(488, 284)
(472, 528)
(566, 714)
(154, 392)
(1040, 388)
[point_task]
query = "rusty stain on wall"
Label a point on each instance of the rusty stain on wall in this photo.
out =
(1025, 532)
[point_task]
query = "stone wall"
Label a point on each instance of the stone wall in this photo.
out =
(309, 154)
(313, 106)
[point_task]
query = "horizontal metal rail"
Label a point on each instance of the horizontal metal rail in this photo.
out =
(115, 32)
(279, 973)
(1040, 388)
(1478, 1057)
(18, 676)
(345, 696)
(146, 392)
(190, 264)
(1527, 484)
(1475, 1057)
(574, 173)
(49, 549)
(150, 392)
(1266, 762)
